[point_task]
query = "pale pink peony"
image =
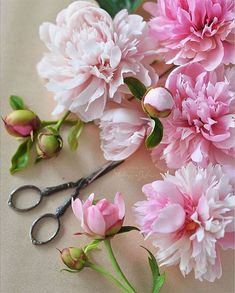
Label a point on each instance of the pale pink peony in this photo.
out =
(102, 218)
(201, 126)
(123, 129)
(90, 54)
(194, 31)
(189, 216)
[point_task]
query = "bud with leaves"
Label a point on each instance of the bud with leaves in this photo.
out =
(74, 258)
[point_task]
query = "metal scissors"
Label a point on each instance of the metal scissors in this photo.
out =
(47, 191)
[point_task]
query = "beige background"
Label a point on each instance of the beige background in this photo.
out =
(24, 267)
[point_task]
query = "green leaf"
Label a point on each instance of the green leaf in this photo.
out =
(21, 157)
(91, 246)
(126, 229)
(114, 6)
(136, 87)
(155, 136)
(16, 103)
(158, 279)
(74, 134)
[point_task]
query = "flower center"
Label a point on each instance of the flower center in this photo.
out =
(191, 226)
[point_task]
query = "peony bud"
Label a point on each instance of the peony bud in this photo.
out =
(74, 258)
(49, 144)
(21, 123)
(158, 102)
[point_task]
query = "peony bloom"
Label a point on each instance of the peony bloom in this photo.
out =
(189, 216)
(102, 218)
(158, 102)
(201, 126)
(90, 54)
(194, 31)
(123, 129)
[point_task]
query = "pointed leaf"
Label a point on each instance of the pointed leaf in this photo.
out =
(114, 6)
(155, 137)
(158, 279)
(91, 246)
(74, 134)
(16, 103)
(125, 229)
(136, 87)
(21, 157)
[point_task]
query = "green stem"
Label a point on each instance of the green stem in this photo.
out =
(108, 276)
(53, 122)
(61, 121)
(116, 265)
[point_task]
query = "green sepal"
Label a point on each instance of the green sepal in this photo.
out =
(92, 245)
(155, 136)
(16, 103)
(21, 157)
(52, 130)
(136, 87)
(70, 271)
(114, 6)
(74, 134)
(126, 229)
(158, 279)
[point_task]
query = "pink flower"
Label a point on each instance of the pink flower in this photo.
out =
(194, 31)
(201, 126)
(189, 215)
(102, 218)
(123, 129)
(158, 102)
(90, 54)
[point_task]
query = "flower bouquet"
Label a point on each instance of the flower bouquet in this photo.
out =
(100, 67)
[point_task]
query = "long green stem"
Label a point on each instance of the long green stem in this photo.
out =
(53, 122)
(61, 121)
(116, 265)
(108, 276)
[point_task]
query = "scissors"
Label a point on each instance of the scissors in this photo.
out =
(47, 191)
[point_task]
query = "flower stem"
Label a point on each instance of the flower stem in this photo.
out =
(116, 265)
(108, 276)
(61, 121)
(53, 122)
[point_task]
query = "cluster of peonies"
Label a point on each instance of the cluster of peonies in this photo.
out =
(190, 214)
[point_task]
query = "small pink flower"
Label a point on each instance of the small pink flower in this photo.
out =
(102, 218)
(123, 129)
(194, 31)
(91, 54)
(189, 215)
(158, 102)
(201, 126)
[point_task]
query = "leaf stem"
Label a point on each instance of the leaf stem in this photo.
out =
(116, 265)
(61, 121)
(53, 122)
(108, 276)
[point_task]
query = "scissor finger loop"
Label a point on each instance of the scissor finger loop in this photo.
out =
(36, 224)
(18, 191)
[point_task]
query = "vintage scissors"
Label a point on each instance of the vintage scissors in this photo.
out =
(78, 185)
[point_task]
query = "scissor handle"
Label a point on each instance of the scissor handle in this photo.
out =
(32, 232)
(14, 193)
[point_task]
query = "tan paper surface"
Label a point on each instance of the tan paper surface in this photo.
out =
(32, 269)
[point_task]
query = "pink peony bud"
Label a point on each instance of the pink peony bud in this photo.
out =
(158, 102)
(101, 219)
(21, 123)
(74, 258)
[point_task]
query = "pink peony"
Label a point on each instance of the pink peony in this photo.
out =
(123, 129)
(201, 126)
(189, 216)
(90, 54)
(194, 31)
(102, 218)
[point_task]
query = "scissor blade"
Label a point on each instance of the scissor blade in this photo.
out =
(100, 172)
